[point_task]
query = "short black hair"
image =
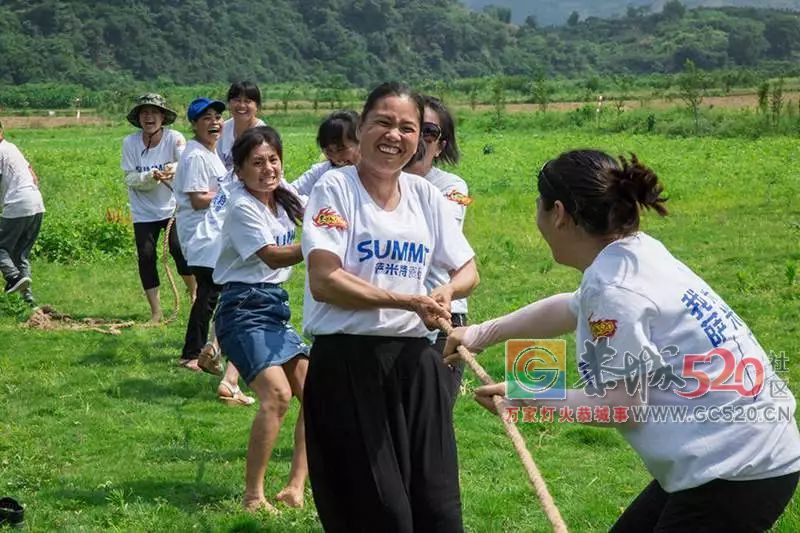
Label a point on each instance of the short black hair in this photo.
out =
(245, 88)
(337, 127)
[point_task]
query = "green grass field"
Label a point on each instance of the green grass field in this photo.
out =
(106, 433)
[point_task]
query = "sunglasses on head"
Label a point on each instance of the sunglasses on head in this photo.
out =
(431, 132)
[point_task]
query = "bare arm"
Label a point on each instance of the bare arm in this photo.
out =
(201, 200)
(331, 284)
(35, 177)
(462, 282)
(277, 257)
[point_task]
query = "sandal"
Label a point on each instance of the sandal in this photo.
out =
(236, 397)
(209, 360)
(189, 364)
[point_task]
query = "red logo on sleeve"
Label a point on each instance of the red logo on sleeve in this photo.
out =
(603, 328)
(328, 218)
(459, 198)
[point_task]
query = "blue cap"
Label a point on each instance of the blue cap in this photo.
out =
(199, 106)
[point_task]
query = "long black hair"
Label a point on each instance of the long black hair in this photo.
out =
(450, 153)
(241, 150)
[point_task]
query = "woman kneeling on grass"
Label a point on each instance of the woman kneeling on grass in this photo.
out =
(640, 309)
(252, 319)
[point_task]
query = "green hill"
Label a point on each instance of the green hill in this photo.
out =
(549, 12)
(334, 43)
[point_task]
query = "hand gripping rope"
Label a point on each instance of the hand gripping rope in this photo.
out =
(534, 476)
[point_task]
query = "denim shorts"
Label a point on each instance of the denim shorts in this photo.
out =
(252, 325)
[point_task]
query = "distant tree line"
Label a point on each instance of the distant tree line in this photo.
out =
(341, 43)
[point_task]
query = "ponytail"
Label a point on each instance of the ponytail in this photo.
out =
(635, 187)
(290, 203)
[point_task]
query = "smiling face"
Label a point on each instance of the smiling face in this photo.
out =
(342, 154)
(243, 109)
(151, 118)
(208, 127)
(390, 133)
(261, 171)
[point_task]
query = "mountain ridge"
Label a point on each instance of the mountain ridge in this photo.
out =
(549, 12)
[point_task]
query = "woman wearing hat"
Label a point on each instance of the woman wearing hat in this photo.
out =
(149, 160)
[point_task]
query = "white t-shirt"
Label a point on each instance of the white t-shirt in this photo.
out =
(249, 226)
(19, 195)
(310, 177)
(150, 200)
(199, 170)
(390, 249)
(637, 295)
(227, 139)
(455, 191)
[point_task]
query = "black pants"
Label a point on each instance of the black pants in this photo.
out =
(17, 237)
(724, 506)
(202, 310)
(458, 320)
(146, 235)
(379, 433)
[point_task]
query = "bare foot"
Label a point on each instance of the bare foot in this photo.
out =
(156, 318)
(291, 496)
(256, 505)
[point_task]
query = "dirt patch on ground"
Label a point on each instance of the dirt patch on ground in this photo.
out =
(48, 319)
(734, 101)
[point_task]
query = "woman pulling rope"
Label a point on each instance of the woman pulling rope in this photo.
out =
(643, 317)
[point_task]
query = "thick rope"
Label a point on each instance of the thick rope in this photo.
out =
(48, 318)
(534, 476)
(176, 300)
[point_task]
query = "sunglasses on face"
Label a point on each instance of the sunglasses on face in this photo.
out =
(431, 132)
